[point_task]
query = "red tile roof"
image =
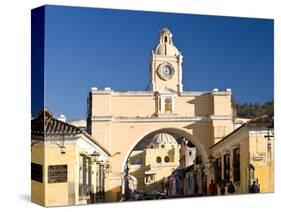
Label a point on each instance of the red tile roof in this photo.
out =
(262, 121)
(46, 125)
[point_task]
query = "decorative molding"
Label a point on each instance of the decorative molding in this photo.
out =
(101, 118)
(195, 93)
(101, 92)
(133, 93)
(259, 132)
(221, 93)
(160, 119)
(220, 117)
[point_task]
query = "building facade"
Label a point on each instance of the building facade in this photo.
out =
(120, 120)
(188, 179)
(67, 165)
(152, 164)
(246, 155)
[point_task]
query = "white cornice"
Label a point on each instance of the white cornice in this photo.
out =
(151, 119)
(133, 93)
(221, 93)
(160, 119)
(220, 117)
(259, 131)
(101, 92)
(195, 93)
(101, 118)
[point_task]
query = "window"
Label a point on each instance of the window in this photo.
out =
(162, 146)
(151, 146)
(158, 159)
(168, 104)
(85, 173)
(269, 150)
(138, 161)
(37, 172)
(149, 179)
(190, 153)
(217, 168)
(226, 169)
(198, 159)
(166, 39)
(236, 165)
(167, 159)
(82, 190)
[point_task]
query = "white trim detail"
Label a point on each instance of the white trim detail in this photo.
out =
(220, 117)
(101, 118)
(195, 93)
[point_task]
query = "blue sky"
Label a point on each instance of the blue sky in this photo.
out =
(87, 47)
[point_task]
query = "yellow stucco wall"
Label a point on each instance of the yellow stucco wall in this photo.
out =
(38, 188)
(244, 166)
(121, 120)
(130, 106)
(61, 193)
(264, 169)
(252, 144)
(49, 154)
(150, 165)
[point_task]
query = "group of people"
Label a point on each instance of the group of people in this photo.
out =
(213, 190)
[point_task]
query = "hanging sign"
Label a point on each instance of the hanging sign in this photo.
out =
(57, 173)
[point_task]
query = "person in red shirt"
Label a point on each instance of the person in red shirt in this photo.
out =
(213, 189)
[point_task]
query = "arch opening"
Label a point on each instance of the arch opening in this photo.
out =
(164, 154)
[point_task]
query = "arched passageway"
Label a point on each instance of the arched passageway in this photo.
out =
(158, 159)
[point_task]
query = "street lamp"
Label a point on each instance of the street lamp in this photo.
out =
(211, 161)
(95, 156)
(270, 128)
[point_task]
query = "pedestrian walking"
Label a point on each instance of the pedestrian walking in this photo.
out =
(254, 188)
(222, 187)
(213, 188)
(230, 188)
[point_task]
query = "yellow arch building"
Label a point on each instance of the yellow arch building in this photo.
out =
(119, 120)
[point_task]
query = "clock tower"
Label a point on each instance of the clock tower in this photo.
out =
(166, 65)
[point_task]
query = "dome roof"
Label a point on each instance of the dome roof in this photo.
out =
(166, 46)
(163, 138)
(166, 49)
(165, 30)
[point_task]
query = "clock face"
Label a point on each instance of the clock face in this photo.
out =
(165, 71)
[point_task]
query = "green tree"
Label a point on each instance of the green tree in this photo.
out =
(252, 110)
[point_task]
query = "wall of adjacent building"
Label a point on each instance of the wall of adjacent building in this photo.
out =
(38, 188)
(264, 168)
(64, 193)
(253, 150)
(243, 187)
(50, 154)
